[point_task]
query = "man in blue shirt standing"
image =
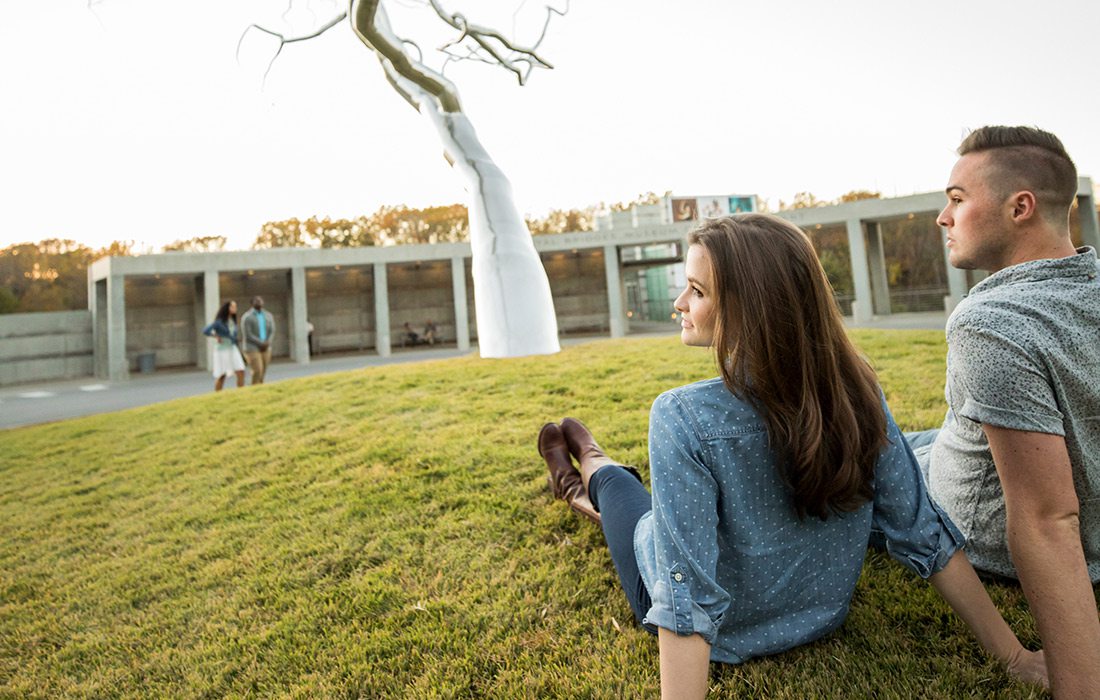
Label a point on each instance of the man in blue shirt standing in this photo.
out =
(259, 329)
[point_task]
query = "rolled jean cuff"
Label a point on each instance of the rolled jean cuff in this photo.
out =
(602, 476)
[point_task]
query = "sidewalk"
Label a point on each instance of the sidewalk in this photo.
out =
(30, 404)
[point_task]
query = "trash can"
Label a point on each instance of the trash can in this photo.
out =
(147, 362)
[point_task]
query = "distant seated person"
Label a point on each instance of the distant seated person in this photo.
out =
(429, 333)
(411, 337)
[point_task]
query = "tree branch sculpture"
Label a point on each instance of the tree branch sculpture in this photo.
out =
(515, 311)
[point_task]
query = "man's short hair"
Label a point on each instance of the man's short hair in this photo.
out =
(1026, 158)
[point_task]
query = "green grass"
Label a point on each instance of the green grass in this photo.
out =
(388, 533)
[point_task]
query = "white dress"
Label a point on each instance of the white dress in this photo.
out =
(227, 356)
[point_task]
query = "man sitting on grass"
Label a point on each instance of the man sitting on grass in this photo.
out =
(1017, 462)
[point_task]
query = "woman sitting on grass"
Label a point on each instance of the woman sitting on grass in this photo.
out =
(769, 480)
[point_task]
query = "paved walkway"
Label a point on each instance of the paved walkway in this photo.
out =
(30, 404)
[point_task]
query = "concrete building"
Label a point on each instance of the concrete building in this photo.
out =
(359, 299)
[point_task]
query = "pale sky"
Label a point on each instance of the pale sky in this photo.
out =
(133, 120)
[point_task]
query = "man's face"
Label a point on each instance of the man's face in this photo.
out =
(977, 222)
(258, 303)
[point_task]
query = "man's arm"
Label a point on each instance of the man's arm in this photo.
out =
(270, 320)
(1044, 538)
(685, 665)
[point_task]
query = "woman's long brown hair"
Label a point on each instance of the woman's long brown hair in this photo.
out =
(780, 343)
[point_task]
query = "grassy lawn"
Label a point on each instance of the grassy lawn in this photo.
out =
(388, 532)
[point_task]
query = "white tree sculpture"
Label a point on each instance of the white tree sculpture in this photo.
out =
(515, 311)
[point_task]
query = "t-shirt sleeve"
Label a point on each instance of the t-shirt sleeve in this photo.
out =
(686, 597)
(1002, 383)
(918, 533)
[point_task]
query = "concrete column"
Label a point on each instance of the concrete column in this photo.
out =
(208, 299)
(298, 333)
(382, 310)
(92, 310)
(1090, 227)
(614, 291)
(118, 365)
(880, 280)
(99, 328)
(956, 278)
(861, 306)
(462, 313)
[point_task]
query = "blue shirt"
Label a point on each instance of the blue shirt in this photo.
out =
(723, 553)
(261, 323)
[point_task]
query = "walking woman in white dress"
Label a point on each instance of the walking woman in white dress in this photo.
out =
(227, 353)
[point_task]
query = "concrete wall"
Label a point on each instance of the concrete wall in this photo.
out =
(420, 292)
(578, 283)
(45, 346)
(274, 287)
(340, 305)
(160, 318)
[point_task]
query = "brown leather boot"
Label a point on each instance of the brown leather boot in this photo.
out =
(565, 480)
(587, 452)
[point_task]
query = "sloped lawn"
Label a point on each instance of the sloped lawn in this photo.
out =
(388, 533)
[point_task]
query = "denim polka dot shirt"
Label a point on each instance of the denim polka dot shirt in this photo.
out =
(723, 553)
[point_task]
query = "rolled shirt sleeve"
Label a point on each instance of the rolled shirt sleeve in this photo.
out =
(918, 533)
(687, 599)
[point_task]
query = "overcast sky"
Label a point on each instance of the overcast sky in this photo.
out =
(133, 120)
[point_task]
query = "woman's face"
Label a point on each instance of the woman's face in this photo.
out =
(696, 303)
(232, 308)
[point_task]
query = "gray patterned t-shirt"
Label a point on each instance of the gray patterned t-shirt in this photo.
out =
(1023, 353)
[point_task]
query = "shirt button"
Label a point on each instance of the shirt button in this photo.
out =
(678, 576)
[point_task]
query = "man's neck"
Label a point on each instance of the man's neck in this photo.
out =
(1042, 243)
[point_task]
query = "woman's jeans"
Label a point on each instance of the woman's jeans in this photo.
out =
(921, 444)
(621, 501)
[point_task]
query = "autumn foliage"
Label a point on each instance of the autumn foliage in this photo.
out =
(400, 225)
(51, 275)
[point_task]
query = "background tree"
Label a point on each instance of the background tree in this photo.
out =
(802, 200)
(8, 301)
(282, 234)
(916, 270)
(857, 195)
(336, 233)
(402, 225)
(51, 275)
(563, 221)
(640, 200)
(808, 200)
(198, 244)
(389, 225)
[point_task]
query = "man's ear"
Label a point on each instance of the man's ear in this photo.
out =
(1023, 206)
